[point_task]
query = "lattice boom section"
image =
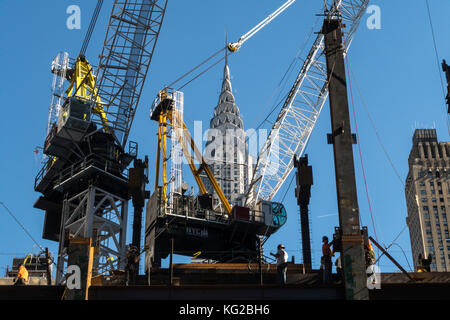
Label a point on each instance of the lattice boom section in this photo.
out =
(131, 37)
(293, 127)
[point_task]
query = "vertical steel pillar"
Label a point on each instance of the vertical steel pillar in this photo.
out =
(303, 194)
(62, 249)
(49, 266)
(138, 177)
(353, 263)
(81, 254)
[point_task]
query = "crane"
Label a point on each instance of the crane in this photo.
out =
(189, 221)
(231, 231)
(86, 183)
(292, 130)
(298, 116)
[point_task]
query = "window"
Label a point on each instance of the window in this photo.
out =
(441, 199)
(433, 199)
(422, 183)
(430, 174)
(433, 191)
(424, 199)
(423, 191)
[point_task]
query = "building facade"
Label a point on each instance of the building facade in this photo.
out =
(226, 149)
(427, 192)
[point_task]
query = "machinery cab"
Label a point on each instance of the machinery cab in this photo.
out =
(274, 214)
(164, 101)
(74, 118)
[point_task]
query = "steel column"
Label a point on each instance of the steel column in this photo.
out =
(352, 241)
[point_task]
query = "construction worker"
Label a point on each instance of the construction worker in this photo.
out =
(282, 258)
(132, 265)
(327, 264)
(22, 276)
(370, 255)
(424, 264)
(370, 262)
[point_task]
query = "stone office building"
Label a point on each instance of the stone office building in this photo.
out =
(427, 193)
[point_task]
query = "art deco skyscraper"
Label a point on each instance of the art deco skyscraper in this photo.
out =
(226, 149)
(427, 193)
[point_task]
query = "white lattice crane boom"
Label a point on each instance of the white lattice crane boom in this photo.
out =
(294, 124)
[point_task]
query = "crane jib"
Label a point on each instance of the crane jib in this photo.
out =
(296, 120)
(131, 37)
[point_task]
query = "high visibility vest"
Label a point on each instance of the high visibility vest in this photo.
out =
(23, 274)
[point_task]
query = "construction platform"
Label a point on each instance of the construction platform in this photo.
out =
(241, 282)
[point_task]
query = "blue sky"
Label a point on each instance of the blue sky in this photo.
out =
(395, 68)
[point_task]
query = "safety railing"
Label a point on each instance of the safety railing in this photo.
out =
(106, 165)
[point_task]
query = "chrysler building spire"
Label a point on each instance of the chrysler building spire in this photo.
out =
(226, 148)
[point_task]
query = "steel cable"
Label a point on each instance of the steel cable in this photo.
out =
(88, 35)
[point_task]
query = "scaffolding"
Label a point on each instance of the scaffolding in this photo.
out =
(176, 152)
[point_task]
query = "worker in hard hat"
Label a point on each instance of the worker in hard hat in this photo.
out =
(22, 276)
(132, 265)
(370, 255)
(424, 264)
(282, 258)
(327, 264)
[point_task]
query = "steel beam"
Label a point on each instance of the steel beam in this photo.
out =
(303, 194)
(352, 241)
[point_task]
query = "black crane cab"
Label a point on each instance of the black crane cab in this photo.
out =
(74, 118)
(74, 121)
